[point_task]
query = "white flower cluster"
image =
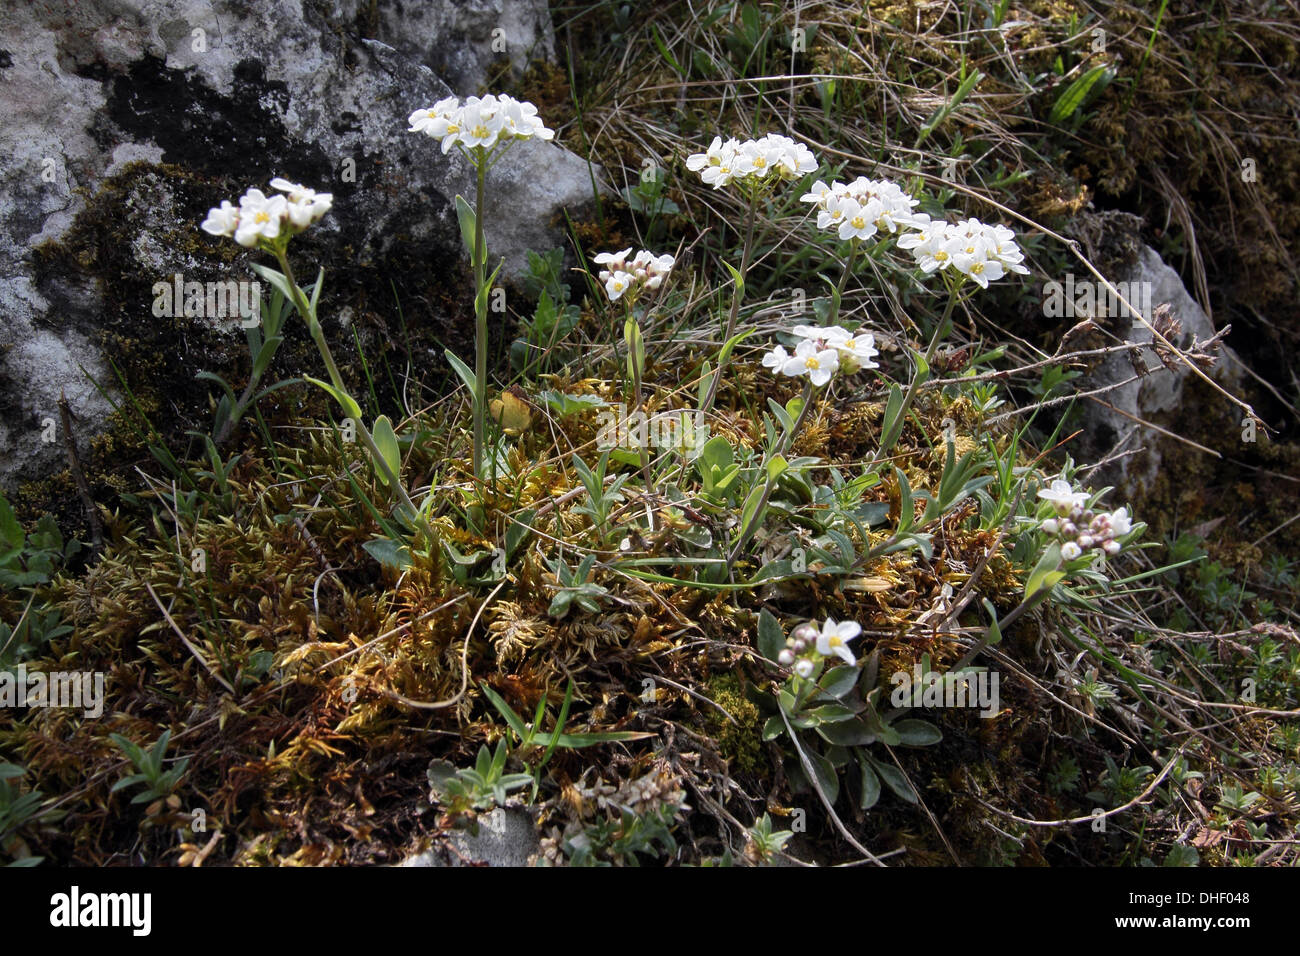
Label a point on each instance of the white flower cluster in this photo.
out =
(1082, 529)
(977, 250)
(261, 217)
(822, 352)
(755, 161)
(479, 121)
(862, 208)
(831, 639)
(645, 270)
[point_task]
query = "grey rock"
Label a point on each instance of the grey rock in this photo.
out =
(211, 98)
(506, 837)
(1157, 396)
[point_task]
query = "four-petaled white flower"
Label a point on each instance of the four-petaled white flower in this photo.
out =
(776, 359)
(976, 250)
(306, 206)
(1063, 496)
(855, 350)
(623, 276)
(222, 220)
(480, 123)
(834, 639)
(1071, 550)
(819, 364)
(260, 217)
(1120, 522)
(862, 208)
(771, 158)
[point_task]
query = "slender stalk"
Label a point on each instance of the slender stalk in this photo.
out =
(783, 445)
(480, 321)
(745, 255)
(318, 336)
(634, 366)
(887, 441)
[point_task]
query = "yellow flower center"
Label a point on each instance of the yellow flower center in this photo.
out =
(480, 131)
(453, 128)
(811, 362)
(858, 222)
(430, 114)
(835, 641)
(977, 268)
(261, 217)
(760, 162)
(941, 255)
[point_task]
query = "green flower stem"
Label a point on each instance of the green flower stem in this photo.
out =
(318, 336)
(632, 333)
(843, 283)
(480, 320)
(745, 257)
(888, 441)
(769, 482)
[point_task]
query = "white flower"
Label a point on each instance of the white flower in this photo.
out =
(1121, 523)
(804, 668)
(767, 159)
(1062, 496)
(776, 359)
(221, 221)
(259, 217)
(1070, 551)
(834, 639)
(857, 221)
(481, 122)
(617, 284)
(623, 276)
(306, 206)
(820, 365)
(857, 352)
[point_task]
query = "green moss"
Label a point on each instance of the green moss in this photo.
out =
(741, 742)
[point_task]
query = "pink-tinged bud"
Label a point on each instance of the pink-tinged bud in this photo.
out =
(1068, 529)
(805, 632)
(1085, 541)
(1051, 526)
(1111, 547)
(785, 658)
(804, 668)
(800, 646)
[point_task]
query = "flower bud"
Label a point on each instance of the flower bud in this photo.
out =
(1068, 528)
(805, 632)
(1070, 550)
(1111, 547)
(800, 646)
(804, 668)
(1051, 526)
(1085, 541)
(785, 658)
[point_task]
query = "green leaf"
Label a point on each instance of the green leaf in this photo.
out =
(838, 681)
(917, 733)
(265, 354)
(740, 284)
(465, 214)
(771, 638)
(895, 779)
(386, 441)
(277, 280)
(10, 530)
(995, 631)
(774, 727)
(826, 776)
(1045, 573)
(388, 552)
(315, 289)
(346, 401)
(1076, 94)
(870, 786)
(464, 371)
